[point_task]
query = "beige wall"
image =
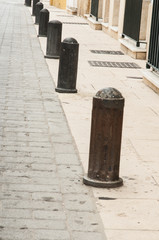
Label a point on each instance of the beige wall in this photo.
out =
(121, 17)
(144, 18)
(112, 12)
(83, 7)
(100, 9)
(106, 6)
(116, 15)
(114, 8)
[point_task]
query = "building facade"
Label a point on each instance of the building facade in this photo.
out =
(135, 23)
(58, 3)
(71, 6)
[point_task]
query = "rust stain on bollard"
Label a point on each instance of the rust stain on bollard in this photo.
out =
(105, 143)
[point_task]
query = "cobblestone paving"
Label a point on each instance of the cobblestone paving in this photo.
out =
(41, 191)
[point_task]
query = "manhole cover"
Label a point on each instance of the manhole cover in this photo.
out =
(107, 52)
(113, 64)
(65, 16)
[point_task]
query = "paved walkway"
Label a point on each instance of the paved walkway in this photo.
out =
(42, 196)
(129, 212)
(41, 191)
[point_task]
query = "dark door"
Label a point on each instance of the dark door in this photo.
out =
(94, 8)
(132, 19)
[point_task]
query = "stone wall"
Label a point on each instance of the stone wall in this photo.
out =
(83, 7)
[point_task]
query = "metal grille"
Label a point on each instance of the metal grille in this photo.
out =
(107, 52)
(75, 23)
(134, 77)
(132, 19)
(153, 56)
(58, 11)
(113, 64)
(64, 16)
(94, 8)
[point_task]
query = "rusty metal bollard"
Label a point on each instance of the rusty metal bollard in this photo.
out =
(38, 8)
(105, 141)
(34, 7)
(54, 39)
(68, 64)
(43, 22)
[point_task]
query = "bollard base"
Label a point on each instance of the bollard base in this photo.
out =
(41, 35)
(101, 184)
(62, 90)
(52, 57)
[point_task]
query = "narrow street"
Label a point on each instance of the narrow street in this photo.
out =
(45, 137)
(41, 191)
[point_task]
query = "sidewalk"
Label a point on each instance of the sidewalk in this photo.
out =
(42, 195)
(41, 191)
(130, 212)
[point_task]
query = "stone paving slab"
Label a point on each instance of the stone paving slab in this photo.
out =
(41, 192)
(128, 212)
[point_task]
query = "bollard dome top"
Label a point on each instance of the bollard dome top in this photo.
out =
(70, 41)
(44, 10)
(55, 22)
(108, 93)
(39, 3)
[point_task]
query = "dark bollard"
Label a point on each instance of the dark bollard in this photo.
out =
(68, 66)
(43, 22)
(54, 32)
(38, 8)
(105, 141)
(28, 3)
(34, 7)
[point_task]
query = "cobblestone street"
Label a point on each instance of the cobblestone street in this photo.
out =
(45, 136)
(41, 190)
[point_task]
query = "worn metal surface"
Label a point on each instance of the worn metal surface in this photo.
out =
(54, 39)
(67, 75)
(43, 22)
(39, 6)
(105, 142)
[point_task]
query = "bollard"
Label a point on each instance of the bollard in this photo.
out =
(54, 39)
(67, 74)
(34, 7)
(105, 141)
(38, 8)
(28, 3)
(43, 22)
